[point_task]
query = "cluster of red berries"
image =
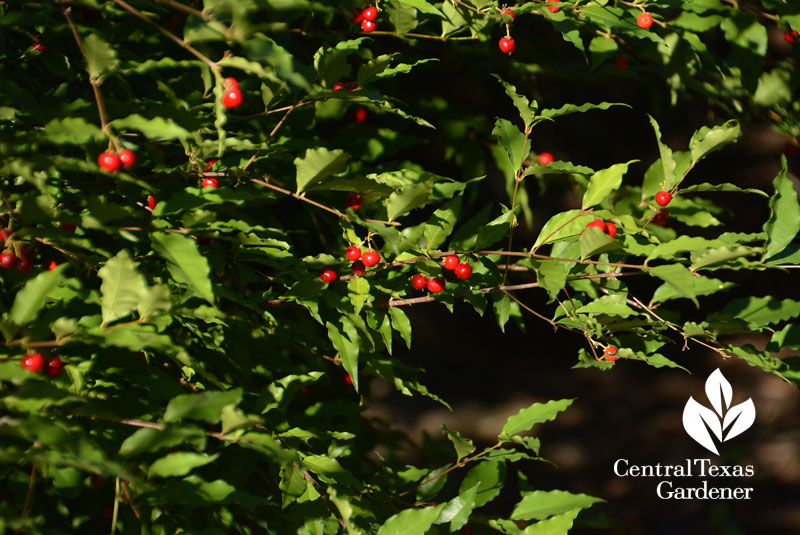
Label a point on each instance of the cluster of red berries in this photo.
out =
(462, 270)
(34, 362)
(610, 353)
(608, 228)
(9, 259)
(360, 263)
(662, 199)
(366, 17)
(790, 36)
(232, 97)
(111, 161)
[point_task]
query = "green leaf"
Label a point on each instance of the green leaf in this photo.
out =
(358, 289)
(704, 259)
(423, 6)
(457, 510)
(707, 140)
(611, 305)
(463, 446)
(557, 525)
(489, 476)
(100, 57)
(407, 199)
(594, 241)
(411, 521)
(759, 311)
(526, 418)
(403, 17)
(774, 87)
(540, 504)
(184, 261)
(512, 141)
(784, 220)
(502, 310)
(32, 297)
(702, 286)
(72, 130)
(567, 109)
(154, 301)
(346, 343)
(441, 223)
(318, 164)
(523, 105)
(562, 225)
(122, 287)
(494, 231)
(401, 324)
(679, 278)
(604, 182)
(206, 406)
(705, 186)
(552, 276)
(180, 463)
(156, 128)
(667, 161)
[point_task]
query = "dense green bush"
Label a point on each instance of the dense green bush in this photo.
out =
(212, 382)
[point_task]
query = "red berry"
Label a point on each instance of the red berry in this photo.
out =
(232, 98)
(5, 234)
(509, 13)
(24, 264)
(353, 200)
(371, 258)
(368, 26)
(611, 229)
(210, 182)
(358, 16)
(610, 353)
(371, 13)
(644, 20)
(337, 86)
(663, 198)
(660, 218)
(419, 281)
(231, 83)
(53, 367)
(69, 227)
(436, 285)
(52, 265)
(347, 379)
(33, 362)
(38, 46)
(353, 253)
(127, 158)
(7, 260)
(327, 275)
(621, 62)
(151, 202)
(463, 271)
(209, 165)
(451, 261)
(108, 161)
(545, 158)
(360, 116)
(789, 36)
(358, 268)
(597, 223)
(553, 9)
(506, 45)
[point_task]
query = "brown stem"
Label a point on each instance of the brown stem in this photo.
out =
(29, 495)
(188, 9)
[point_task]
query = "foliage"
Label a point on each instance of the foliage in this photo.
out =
(190, 401)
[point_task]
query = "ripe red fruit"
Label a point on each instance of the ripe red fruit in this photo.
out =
(358, 16)
(553, 9)
(644, 20)
(545, 158)
(360, 116)
(368, 26)
(232, 98)
(463, 271)
(38, 46)
(611, 229)
(210, 164)
(621, 62)
(358, 268)
(597, 223)
(353, 200)
(33, 362)
(353, 253)
(789, 36)
(347, 379)
(52, 265)
(509, 13)
(151, 202)
(419, 281)
(4, 235)
(610, 353)
(53, 367)
(24, 264)
(108, 161)
(663, 198)
(337, 86)
(660, 218)
(210, 182)
(231, 83)
(371, 258)
(127, 158)
(371, 13)
(327, 275)
(436, 285)
(7, 260)
(507, 45)
(450, 261)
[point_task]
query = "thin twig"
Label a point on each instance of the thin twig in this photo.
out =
(29, 495)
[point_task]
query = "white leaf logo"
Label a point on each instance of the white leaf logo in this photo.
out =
(724, 422)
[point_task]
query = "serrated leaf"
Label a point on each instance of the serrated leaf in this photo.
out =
(707, 140)
(761, 311)
(526, 418)
(612, 305)
(562, 225)
(556, 525)
(667, 161)
(155, 128)
(154, 301)
(604, 182)
(441, 223)
(122, 287)
(358, 289)
(705, 186)
(205, 406)
(411, 521)
(423, 6)
(407, 199)
(401, 324)
(149, 440)
(71, 130)
(567, 109)
(345, 341)
(512, 141)
(494, 231)
(32, 297)
(521, 102)
(463, 446)
(318, 164)
(784, 220)
(541, 504)
(718, 255)
(184, 261)
(180, 463)
(552, 276)
(457, 510)
(678, 277)
(489, 476)
(100, 57)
